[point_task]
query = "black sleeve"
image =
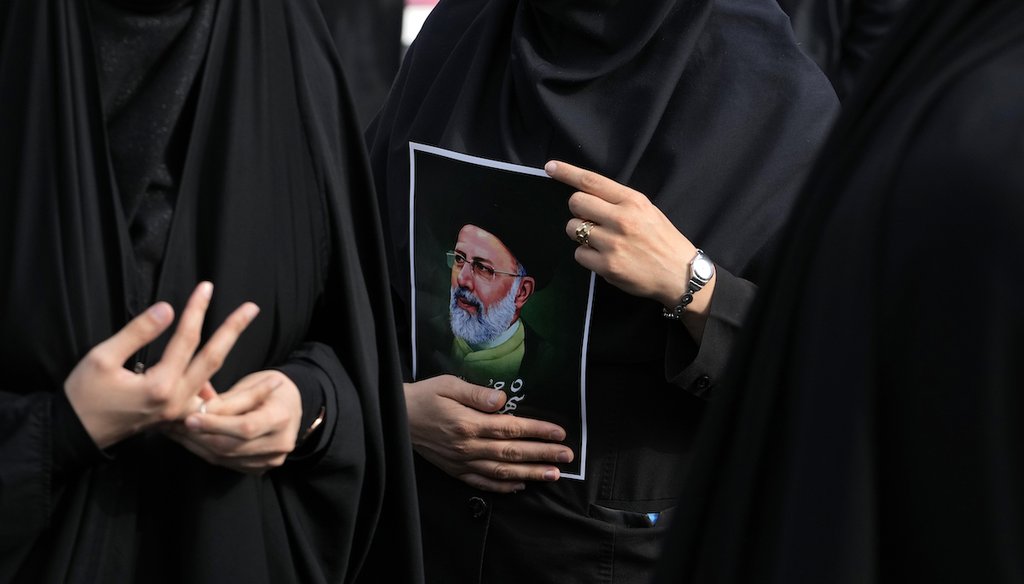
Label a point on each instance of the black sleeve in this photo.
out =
(42, 444)
(698, 368)
(323, 384)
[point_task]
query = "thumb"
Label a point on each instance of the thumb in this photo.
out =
(138, 333)
(477, 397)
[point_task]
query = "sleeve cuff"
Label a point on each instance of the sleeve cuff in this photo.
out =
(698, 369)
(73, 448)
(308, 378)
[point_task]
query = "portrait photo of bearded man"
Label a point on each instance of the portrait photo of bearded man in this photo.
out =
(499, 300)
(490, 286)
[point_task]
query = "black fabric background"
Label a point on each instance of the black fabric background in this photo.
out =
(368, 34)
(842, 35)
(872, 432)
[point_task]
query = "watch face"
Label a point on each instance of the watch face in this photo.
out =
(703, 269)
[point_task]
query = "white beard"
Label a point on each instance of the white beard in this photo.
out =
(488, 323)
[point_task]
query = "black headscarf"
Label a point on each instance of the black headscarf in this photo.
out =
(272, 203)
(148, 56)
(873, 431)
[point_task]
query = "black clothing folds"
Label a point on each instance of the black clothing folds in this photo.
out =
(707, 107)
(842, 35)
(876, 432)
(148, 58)
(368, 34)
(271, 202)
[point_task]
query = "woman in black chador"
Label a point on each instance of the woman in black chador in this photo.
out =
(876, 430)
(153, 430)
(710, 110)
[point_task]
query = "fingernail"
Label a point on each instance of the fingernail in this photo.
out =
(193, 422)
(492, 400)
(551, 475)
(519, 487)
(160, 313)
(250, 311)
(557, 436)
(551, 167)
(206, 289)
(564, 457)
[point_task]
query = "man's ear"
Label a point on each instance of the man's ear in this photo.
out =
(525, 289)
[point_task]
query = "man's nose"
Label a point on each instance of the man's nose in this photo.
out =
(465, 275)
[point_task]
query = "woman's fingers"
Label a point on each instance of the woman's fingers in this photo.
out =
(207, 393)
(255, 465)
(270, 406)
(513, 428)
(246, 395)
(113, 403)
(624, 237)
(588, 182)
(209, 360)
(186, 337)
(228, 447)
(180, 383)
(596, 235)
(248, 426)
(502, 471)
(135, 335)
(191, 444)
(487, 484)
(204, 449)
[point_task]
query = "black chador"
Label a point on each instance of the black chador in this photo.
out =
(711, 110)
(874, 431)
(144, 147)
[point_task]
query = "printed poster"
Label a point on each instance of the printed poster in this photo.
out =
(497, 297)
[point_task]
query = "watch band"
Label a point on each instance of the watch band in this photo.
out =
(702, 269)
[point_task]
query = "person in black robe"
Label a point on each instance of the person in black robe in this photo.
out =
(711, 110)
(873, 429)
(368, 34)
(842, 35)
(147, 146)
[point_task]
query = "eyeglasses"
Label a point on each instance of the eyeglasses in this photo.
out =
(457, 260)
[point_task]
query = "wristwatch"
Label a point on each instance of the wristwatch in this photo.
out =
(702, 269)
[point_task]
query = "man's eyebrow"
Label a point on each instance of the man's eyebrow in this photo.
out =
(474, 258)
